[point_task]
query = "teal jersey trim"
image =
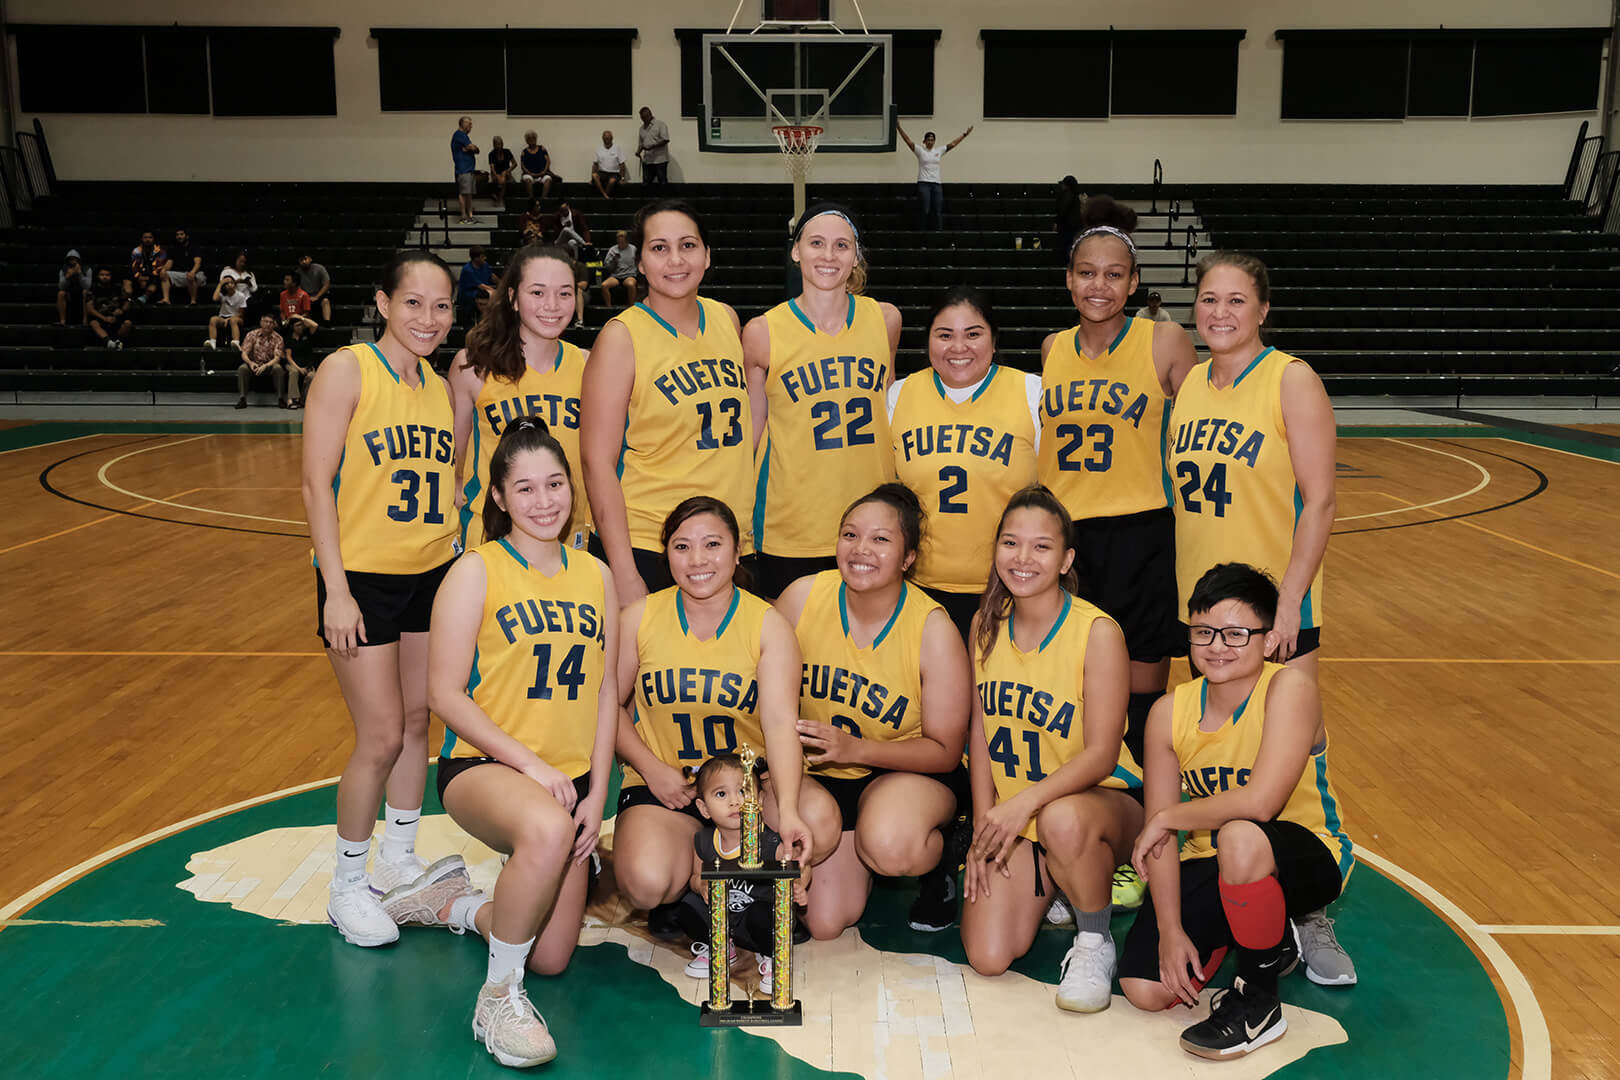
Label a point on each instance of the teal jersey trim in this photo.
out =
(843, 613)
(1164, 456)
(1057, 624)
(474, 484)
(659, 319)
(1131, 782)
(1307, 606)
(1265, 352)
(989, 377)
(512, 551)
(1203, 701)
(378, 353)
(762, 485)
(1112, 345)
(680, 613)
(793, 306)
(1330, 815)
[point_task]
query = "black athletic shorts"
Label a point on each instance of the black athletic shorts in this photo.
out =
(774, 573)
(1127, 567)
(452, 767)
(1306, 870)
(641, 795)
(960, 606)
(390, 604)
(847, 790)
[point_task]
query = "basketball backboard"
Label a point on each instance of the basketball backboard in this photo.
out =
(841, 83)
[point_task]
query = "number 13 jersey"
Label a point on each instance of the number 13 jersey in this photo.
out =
(689, 430)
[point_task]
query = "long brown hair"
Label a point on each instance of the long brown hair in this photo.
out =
(524, 433)
(495, 345)
(997, 602)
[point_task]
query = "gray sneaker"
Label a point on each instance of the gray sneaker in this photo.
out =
(1326, 962)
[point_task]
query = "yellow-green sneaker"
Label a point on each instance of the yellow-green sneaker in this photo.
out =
(1129, 889)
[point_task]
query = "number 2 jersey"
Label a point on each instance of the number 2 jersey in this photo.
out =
(541, 656)
(1034, 705)
(693, 698)
(1235, 495)
(826, 438)
(689, 430)
(395, 484)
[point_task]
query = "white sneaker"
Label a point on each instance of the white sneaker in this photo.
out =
(427, 900)
(1087, 983)
(1060, 914)
(388, 875)
(510, 1027)
(360, 918)
(767, 981)
(698, 968)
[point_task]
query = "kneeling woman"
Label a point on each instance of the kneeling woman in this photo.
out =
(883, 712)
(1247, 740)
(706, 667)
(1050, 774)
(524, 638)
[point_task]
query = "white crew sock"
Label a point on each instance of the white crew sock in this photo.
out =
(506, 961)
(399, 833)
(350, 870)
(464, 911)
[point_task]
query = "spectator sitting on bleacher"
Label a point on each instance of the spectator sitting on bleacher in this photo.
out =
(106, 309)
(535, 166)
(619, 268)
(232, 302)
(1154, 310)
(533, 222)
(238, 272)
(298, 355)
(568, 228)
(71, 282)
(1070, 200)
(609, 169)
(182, 268)
(501, 165)
(313, 279)
(146, 259)
(475, 286)
(261, 352)
(293, 304)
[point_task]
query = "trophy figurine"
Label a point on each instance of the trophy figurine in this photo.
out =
(781, 1010)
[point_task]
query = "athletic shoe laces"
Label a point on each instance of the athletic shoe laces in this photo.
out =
(1316, 935)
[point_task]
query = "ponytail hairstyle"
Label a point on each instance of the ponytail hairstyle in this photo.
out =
(904, 502)
(690, 508)
(523, 434)
(495, 345)
(997, 602)
(1101, 214)
(859, 272)
(393, 271)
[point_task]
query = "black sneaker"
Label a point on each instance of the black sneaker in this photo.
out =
(662, 923)
(935, 907)
(1241, 1021)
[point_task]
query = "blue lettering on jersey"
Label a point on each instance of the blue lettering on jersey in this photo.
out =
(1073, 397)
(555, 409)
(1213, 779)
(1213, 434)
(1020, 701)
(977, 441)
(689, 378)
(541, 616)
(402, 442)
(843, 687)
(834, 373)
(700, 686)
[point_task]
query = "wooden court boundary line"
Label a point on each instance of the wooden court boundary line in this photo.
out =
(95, 521)
(1443, 520)
(1484, 482)
(1559, 931)
(101, 476)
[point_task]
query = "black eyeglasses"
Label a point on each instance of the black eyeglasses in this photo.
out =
(1234, 637)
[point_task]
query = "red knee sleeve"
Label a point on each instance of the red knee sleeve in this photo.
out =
(1255, 912)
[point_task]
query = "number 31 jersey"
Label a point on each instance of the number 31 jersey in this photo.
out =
(395, 484)
(1235, 495)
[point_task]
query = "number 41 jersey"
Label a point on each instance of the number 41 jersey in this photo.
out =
(395, 485)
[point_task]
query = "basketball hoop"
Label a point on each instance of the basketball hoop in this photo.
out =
(798, 145)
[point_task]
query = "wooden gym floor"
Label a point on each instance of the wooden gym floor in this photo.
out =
(160, 664)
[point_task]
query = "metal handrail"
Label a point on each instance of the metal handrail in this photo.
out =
(1583, 165)
(444, 218)
(45, 152)
(1158, 182)
(32, 151)
(1172, 214)
(19, 188)
(1600, 186)
(1575, 158)
(1190, 255)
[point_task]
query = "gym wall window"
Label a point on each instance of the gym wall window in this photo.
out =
(519, 72)
(1094, 74)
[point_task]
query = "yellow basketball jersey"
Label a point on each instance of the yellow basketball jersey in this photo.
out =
(395, 484)
(694, 699)
(872, 693)
(538, 669)
(964, 461)
(1103, 423)
(689, 431)
(1236, 499)
(826, 440)
(1217, 761)
(553, 396)
(1034, 705)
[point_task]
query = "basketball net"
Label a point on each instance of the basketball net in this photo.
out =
(798, 145)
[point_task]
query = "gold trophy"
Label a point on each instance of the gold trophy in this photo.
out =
(782, 1010)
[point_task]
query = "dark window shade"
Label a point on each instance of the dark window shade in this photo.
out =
(911, 57)
(1175, 72)
(429, 70)
(272, 71)
(1344, 80)
(1539, 74)
(1440, 75)
(177, 71)
(568, 72)
(80, 69)
(1045, 73)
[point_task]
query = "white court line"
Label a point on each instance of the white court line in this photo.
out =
(58, 442)
(1535, 1042)
(1567, 931)
(101, 475)
(1484, 479)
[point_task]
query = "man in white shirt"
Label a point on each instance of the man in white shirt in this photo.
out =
(609, 169)
(930, 191)
(653, 148)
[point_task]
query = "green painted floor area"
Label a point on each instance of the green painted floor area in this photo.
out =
(216, 991)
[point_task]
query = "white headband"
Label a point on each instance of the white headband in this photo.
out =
(1109, 230)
